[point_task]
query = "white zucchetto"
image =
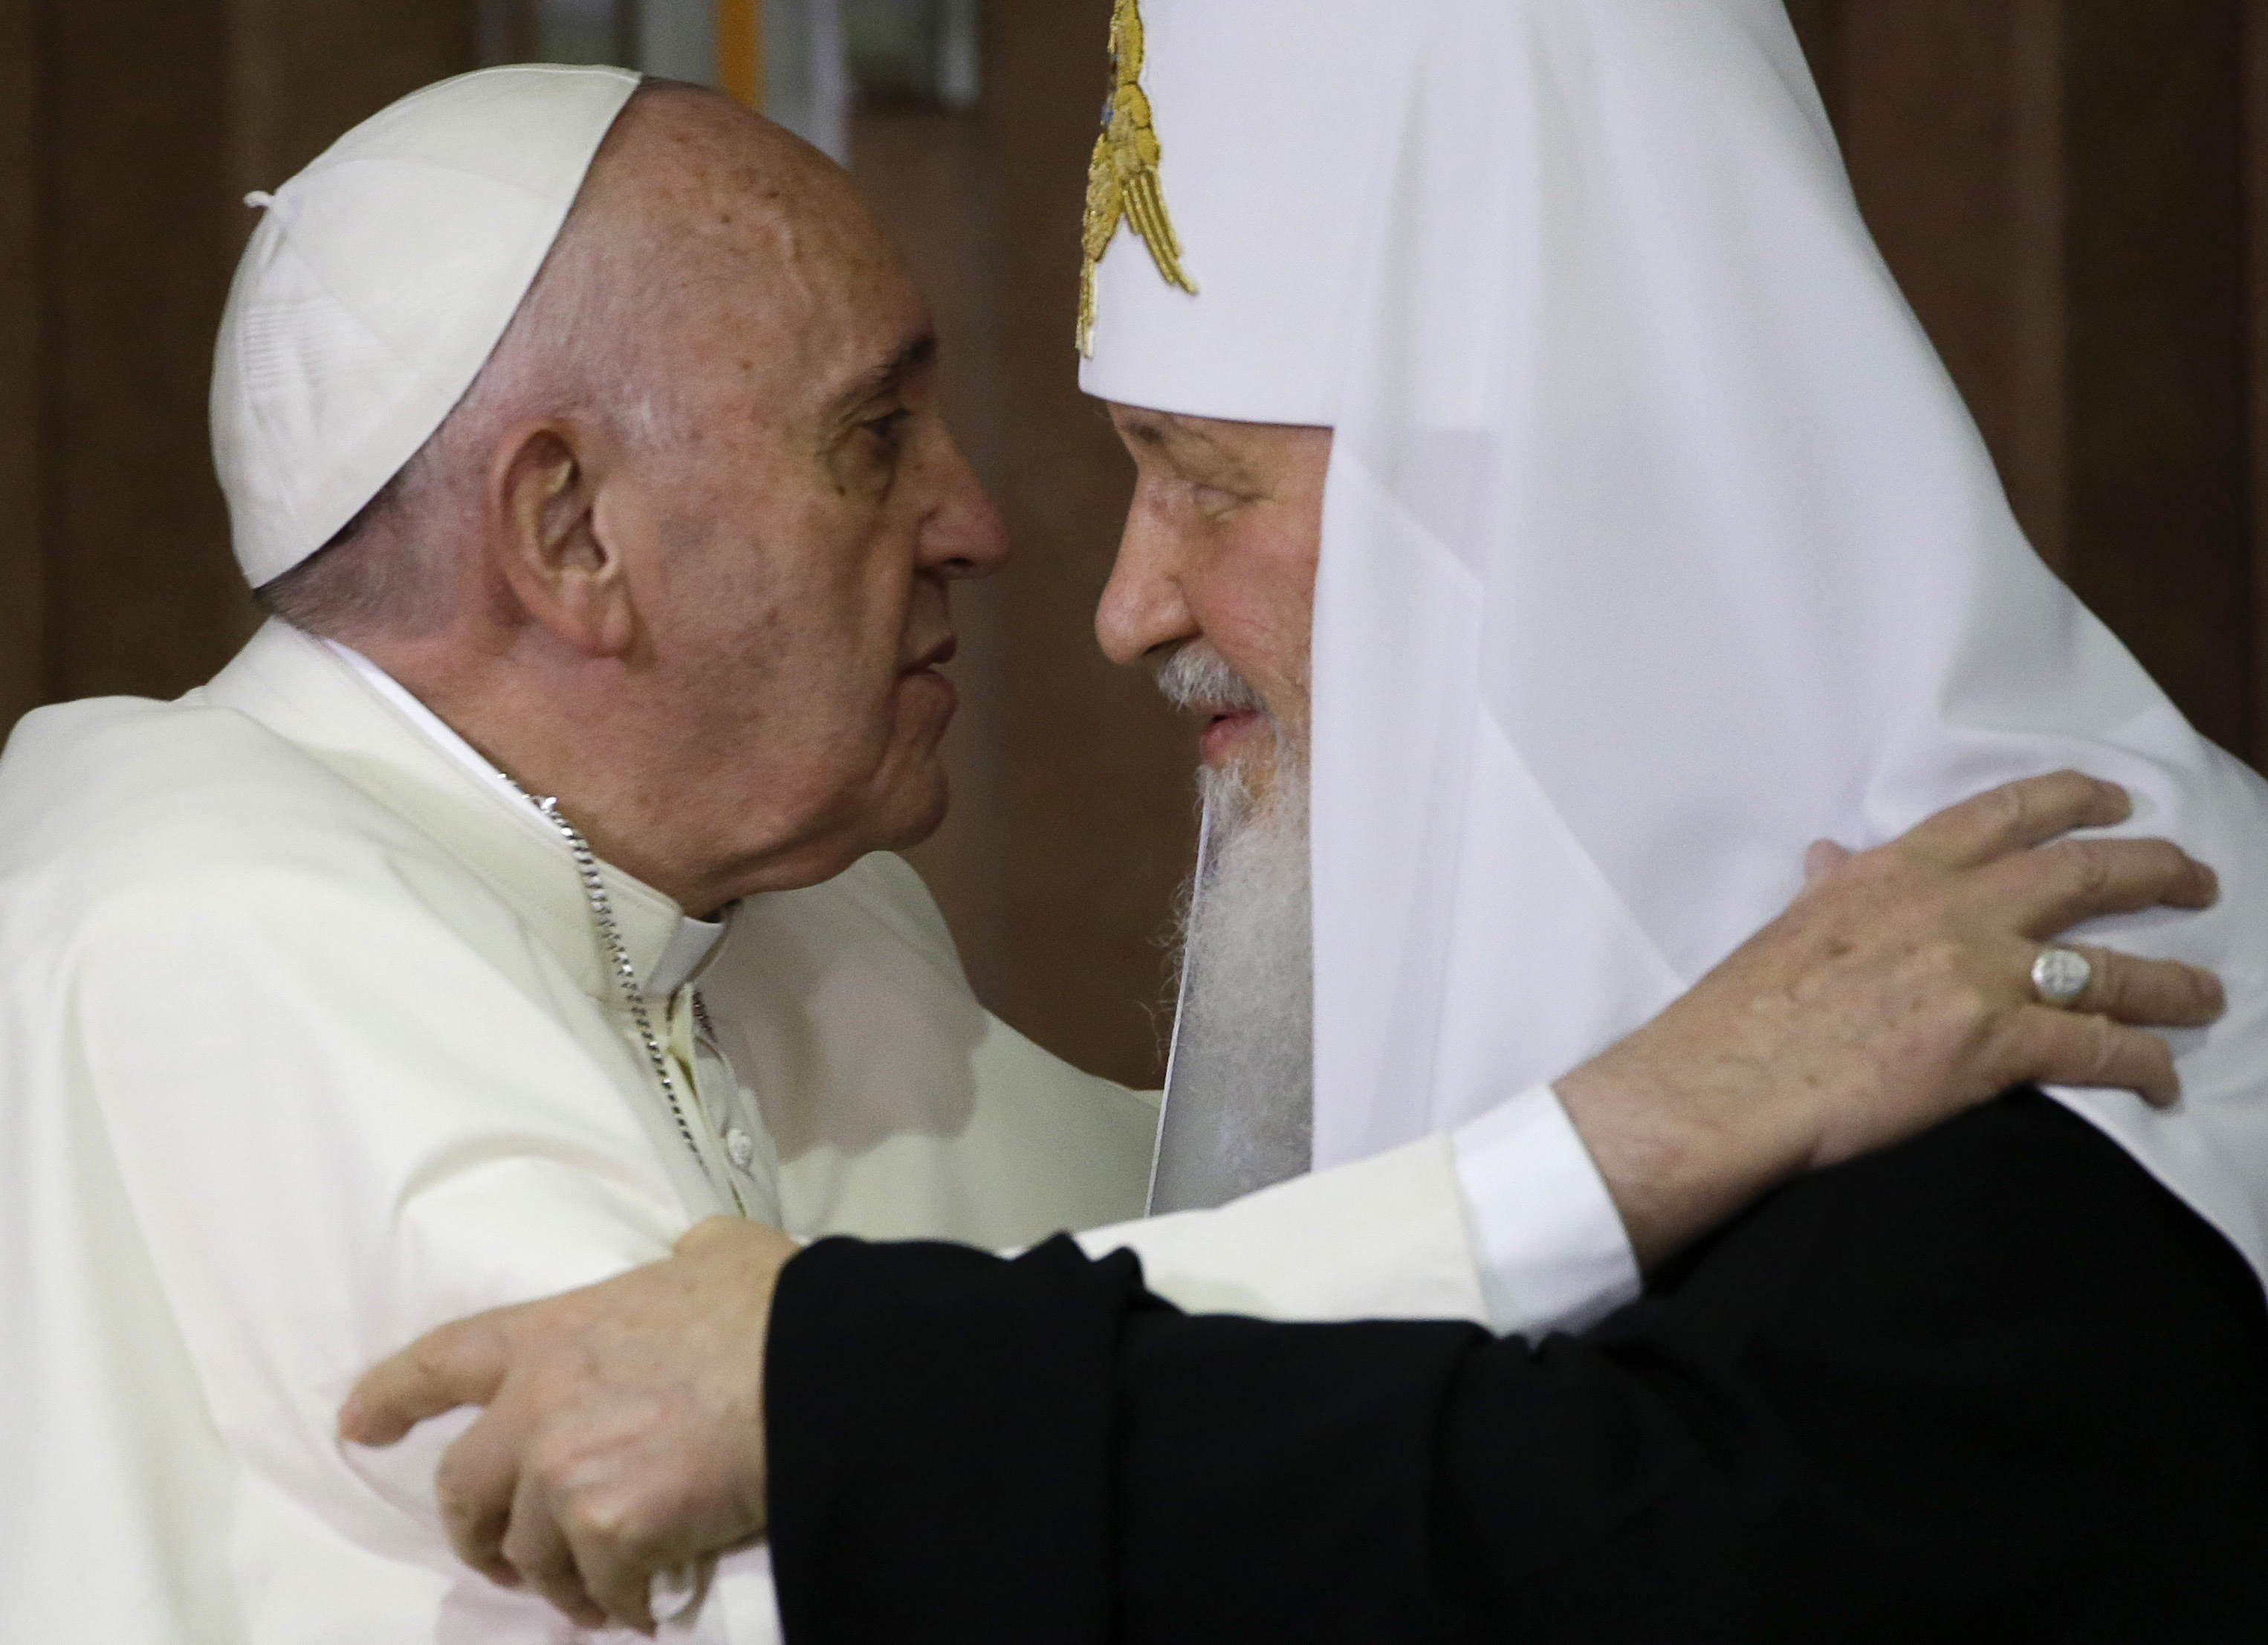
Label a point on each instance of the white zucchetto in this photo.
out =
(1656, 544)
(379, 283)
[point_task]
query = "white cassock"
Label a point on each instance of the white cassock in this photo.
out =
(308, 1048)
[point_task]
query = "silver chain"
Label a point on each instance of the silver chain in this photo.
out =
(602, 915)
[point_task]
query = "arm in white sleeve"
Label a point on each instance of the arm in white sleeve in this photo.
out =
(342, 1122)
(1505, 1221)
(1552, 1250)
(1384, 1238)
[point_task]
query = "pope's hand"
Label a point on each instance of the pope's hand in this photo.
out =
(624, 1437)
(1894, 993)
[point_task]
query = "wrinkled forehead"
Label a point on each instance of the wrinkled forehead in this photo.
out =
(746, 256)
(1237, 145)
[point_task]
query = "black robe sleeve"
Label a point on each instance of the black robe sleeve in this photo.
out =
(1995, 1384)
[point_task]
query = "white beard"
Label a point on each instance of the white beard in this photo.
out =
(1240, 1109)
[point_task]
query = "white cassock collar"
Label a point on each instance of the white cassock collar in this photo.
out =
(693, 942)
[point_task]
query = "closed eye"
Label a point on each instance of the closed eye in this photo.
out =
(886, 428)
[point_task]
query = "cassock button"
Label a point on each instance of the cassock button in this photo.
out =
(740, 1145)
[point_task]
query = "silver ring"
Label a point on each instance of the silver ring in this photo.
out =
(2060, 976)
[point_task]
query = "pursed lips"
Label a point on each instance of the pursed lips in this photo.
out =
(936, 657)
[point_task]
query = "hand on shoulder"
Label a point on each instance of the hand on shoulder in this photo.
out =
(1895, 992)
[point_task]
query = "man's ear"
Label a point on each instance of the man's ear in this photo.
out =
(561, 570)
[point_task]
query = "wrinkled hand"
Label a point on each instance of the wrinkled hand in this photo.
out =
(624, 1431)
(1895, 992)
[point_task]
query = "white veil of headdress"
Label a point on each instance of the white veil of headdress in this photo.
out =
(1657, 543)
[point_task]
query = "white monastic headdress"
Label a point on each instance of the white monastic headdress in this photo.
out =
(1657, 542)
(377, 286)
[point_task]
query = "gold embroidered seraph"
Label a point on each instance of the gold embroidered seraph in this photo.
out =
(1122, 180)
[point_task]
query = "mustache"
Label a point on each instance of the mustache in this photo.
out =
(1197, 676)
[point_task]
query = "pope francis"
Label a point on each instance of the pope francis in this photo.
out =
(521, 895)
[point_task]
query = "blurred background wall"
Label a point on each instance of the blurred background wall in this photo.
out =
(2074, 193)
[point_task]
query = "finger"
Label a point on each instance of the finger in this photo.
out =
(676, 1594)
(2044, 1046)
(619, 1573)
(539, 1551)
(2148, 994)
(2018, 815)
(1822, 857)
(461, 1364)
(2056, 887)
(476, 1483)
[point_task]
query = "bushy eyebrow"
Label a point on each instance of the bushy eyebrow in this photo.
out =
(910, 357)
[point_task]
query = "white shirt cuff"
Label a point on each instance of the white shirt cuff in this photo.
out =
(1552, 1250)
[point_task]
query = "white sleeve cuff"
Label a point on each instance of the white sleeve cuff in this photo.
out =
(1552, 1250)
(1382, 1238)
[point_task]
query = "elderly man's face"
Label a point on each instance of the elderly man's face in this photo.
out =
(794, 538)
(1220, 555)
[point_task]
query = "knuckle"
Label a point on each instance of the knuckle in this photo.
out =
(600, 1515)
(551, 1460)
(1953, 984)
(2093, 867)
(621, 1524)
(1964, 1013)
(2010, 807)
(1943, 960)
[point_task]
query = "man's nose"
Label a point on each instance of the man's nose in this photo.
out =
(964, 535)
(1143, 604)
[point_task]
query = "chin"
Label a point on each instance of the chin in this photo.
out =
(914, 810)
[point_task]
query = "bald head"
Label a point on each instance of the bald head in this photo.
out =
(700, 232)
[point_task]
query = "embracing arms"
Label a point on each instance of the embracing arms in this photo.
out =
(1894, 994)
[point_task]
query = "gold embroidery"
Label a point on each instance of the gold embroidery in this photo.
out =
(1122, 180)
